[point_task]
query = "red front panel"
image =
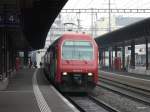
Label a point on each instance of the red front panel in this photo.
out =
(77, 66)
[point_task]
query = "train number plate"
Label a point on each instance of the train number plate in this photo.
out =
(77, 75)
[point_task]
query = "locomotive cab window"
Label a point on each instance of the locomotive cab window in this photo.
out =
(77, 50)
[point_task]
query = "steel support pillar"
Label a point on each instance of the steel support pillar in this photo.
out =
(104, 58)
(13, 58)
(109, 50)
(25, 57)
(4, 45)
(146, 42)
(3, 55)
(133, 54)
(101, 57)
(10, 49)
(6, 54)
(10, 54)
(116, 51)
(1, 40)
(112, 57)
(123, 57)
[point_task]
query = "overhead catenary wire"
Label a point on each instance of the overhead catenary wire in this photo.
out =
(84, 4)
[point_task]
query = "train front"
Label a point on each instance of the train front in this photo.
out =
(78, 65)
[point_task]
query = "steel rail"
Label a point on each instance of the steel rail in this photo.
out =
(82, 104)
(103, 104)
(138, 95)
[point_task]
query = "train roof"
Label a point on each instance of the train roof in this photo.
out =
(75, 35)
(71, 35)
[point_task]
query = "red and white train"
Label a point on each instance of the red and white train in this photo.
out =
(71, 63)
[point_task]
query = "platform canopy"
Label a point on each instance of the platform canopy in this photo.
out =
(28, 21)
(137, 32)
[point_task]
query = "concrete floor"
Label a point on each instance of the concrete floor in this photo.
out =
(20, 96)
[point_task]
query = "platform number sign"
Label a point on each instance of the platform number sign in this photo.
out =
(9, 20)
(12, 20)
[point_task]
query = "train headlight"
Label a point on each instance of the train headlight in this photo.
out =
(64, 73)
(90, 74)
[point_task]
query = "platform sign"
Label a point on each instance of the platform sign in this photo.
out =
(12, 20)
(9, 20)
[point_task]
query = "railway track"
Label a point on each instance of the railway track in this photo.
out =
(134, 93)
(90, 104)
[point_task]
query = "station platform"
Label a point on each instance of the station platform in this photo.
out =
(135, 80)
(29, 91)
(125, 73)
